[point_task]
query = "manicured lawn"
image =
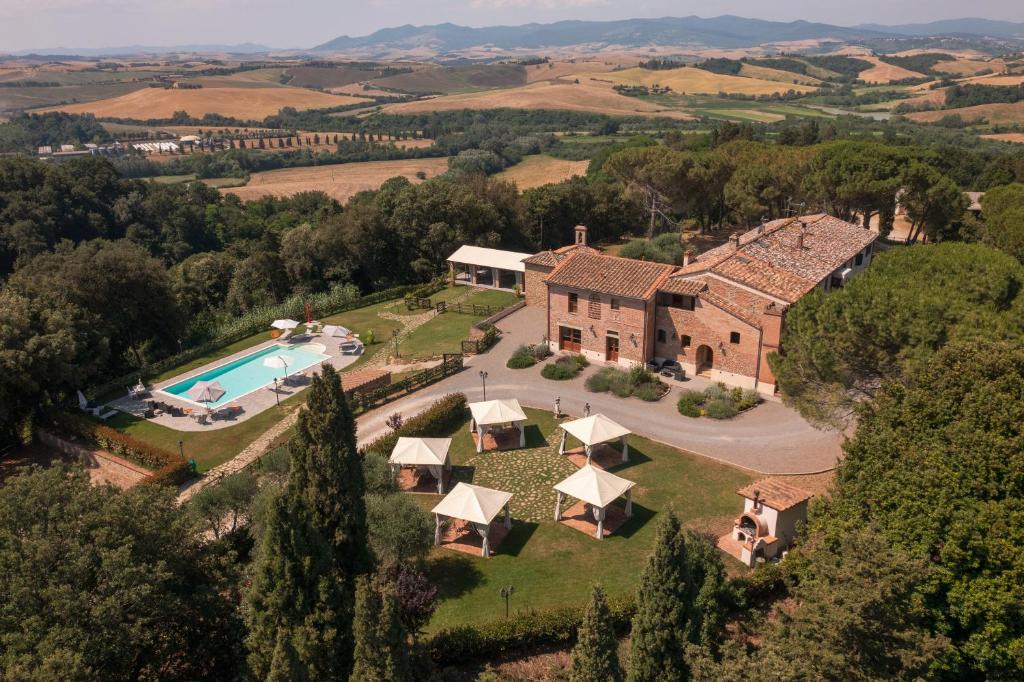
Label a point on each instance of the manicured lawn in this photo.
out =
(551, 565)
(208, 448)
(444, 333)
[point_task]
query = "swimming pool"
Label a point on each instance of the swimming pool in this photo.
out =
(248, 374)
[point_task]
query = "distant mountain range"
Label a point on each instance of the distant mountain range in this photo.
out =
(717, 32)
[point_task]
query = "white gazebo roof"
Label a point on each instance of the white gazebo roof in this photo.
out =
(490, 258)
(595, 429)
(472, 503)
(336, 330)
(497, 412)
(421, 451)
(595, 486)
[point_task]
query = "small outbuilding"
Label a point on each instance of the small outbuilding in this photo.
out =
(593, 431)
(767, 527)
(596, 490)
(430, 454)
(477, 507)
(501, 421)
(489, 268)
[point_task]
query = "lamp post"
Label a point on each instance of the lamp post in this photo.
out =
(483, 379)
(181, 448)
(276, 394)
(506, 593)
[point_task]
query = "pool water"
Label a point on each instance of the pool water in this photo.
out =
(248, 374)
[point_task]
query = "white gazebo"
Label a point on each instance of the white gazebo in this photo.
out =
(496, 413)
(431, 453)
(594, 430)
(476, 505)
(597, 488)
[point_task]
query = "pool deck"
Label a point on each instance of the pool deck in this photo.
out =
(251, 404)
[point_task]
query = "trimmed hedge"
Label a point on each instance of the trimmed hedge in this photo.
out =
(564, 368)
(523, 631)
(438, 420)
(167, 468)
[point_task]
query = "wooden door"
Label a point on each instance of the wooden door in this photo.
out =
(570, 339)
(611, 348)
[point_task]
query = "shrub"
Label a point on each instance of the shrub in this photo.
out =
(560, 371)
(720, 408)
(438, 420)
(522, 357)
(651, 391)
(748, 398)
(541, 352)
(528, 630)
(619, 385)
(715, 392)
(688, 409)
(600, 381)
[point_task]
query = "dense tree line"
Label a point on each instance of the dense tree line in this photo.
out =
(26, 132)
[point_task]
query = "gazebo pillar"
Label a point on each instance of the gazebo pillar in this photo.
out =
(561, 445)
(485, 549)
(479, 438)
(440, 483)
(629, 502)
(589, 450)
(558, 506)
(438, 523)
(599, 513)
(522, 434)
(625, 449)
(508, 517)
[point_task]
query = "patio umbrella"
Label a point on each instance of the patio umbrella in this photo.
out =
(206, 391)
(284, 324)
(279, 361)
(337, 330)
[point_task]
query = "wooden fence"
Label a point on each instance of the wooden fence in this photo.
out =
(468, 308)
(363, 401)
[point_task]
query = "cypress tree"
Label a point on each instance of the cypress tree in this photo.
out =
(381, 642)
(595, 657)
(315, 545)
(661, 623)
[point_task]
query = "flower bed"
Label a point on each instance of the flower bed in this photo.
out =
(565, 367)
(717, 402)
(638, 382)
(527, 356)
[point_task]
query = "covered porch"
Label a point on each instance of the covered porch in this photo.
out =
(487, 268)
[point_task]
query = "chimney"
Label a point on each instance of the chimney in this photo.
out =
(800, 237)
(686, 258)
(581, 235)
(736, 242)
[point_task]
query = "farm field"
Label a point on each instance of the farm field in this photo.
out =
(561, 69)
(968, 67)
(12, 99)
(700, 82)
(768, 74)
(992, 113)
(541, 169)
(545, 95)
(1016, 138)
(242, 103)
(455, 79)
(340, 181)
(884, 73)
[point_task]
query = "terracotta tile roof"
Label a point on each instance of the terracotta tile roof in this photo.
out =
(350, 381)
(551, 258)
(775, 493)
(768, 259)
(687, 287)
(591, 271)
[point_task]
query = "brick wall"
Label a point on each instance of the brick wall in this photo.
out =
(628, 321)
(535, 289)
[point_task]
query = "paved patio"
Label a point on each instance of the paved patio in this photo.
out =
(769, 439)
(250, 404)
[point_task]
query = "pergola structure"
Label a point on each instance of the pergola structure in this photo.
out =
(476, 505)
(594, 430)
(496, 413)
(597, 489)
(431, 453)
(492, 268)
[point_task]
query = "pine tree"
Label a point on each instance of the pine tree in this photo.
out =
(595, 657)
(382, 647)
(314, 547)
(661, 623)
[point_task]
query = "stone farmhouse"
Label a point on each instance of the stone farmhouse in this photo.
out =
(719, 315)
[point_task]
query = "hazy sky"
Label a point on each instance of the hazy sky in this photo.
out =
(28, 24)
